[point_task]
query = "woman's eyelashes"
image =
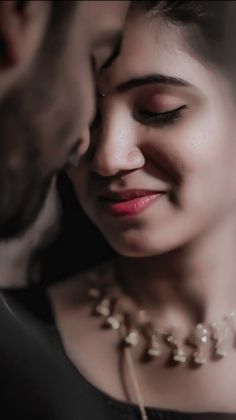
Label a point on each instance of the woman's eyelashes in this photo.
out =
(145, 116)
(148, 113)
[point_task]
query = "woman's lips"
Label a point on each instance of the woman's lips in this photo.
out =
(130, 202)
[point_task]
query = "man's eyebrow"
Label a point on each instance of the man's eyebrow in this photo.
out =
(113, 38)
(151, 79)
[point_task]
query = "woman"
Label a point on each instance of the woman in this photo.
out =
(159, 182)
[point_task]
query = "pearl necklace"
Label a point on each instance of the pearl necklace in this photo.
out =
(119, 310)
(120, 313)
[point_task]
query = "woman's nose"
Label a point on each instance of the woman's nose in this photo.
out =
(116, 151)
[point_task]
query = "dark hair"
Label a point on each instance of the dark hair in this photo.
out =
(209, 26)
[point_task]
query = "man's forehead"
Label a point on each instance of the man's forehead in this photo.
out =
(104, 13)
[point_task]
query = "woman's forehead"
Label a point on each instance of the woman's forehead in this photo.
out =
(152, 47)
(149, 49)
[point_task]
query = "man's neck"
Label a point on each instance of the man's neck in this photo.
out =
(16, 254)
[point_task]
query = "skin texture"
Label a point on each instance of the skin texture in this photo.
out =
(191, 159)
(47, 70)
(178, 256)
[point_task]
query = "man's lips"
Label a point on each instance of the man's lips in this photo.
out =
(129, 202)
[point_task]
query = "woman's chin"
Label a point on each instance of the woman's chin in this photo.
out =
(147, 244)
(138, 248)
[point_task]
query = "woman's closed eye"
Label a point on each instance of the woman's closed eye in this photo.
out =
(146, 116)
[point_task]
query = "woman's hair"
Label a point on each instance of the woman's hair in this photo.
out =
(208, 25)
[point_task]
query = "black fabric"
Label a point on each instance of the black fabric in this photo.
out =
(37, 379)
(79, 244)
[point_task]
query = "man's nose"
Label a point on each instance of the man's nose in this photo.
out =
(84, 142)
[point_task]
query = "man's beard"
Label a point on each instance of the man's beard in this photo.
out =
(24, 181)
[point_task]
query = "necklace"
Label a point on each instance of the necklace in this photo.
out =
(119, 312)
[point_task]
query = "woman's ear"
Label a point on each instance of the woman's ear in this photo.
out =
(22, 24)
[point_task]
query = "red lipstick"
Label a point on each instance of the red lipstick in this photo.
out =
(129, 202)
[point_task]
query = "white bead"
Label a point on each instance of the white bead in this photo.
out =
(132, 338)
(154, 352)
(113, 322)
(198, 359)
(179, 356)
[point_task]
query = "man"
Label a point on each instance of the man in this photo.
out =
(50, 52)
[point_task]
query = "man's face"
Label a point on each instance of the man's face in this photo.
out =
(44, 114)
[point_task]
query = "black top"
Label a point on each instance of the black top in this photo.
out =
(38, 381)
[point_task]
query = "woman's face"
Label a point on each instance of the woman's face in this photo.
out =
(161, 170)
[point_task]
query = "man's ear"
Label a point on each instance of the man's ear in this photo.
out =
(22, 25)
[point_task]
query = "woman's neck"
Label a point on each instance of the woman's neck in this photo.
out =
(196, 282)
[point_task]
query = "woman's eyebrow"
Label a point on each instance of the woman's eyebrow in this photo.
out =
(151, 79)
